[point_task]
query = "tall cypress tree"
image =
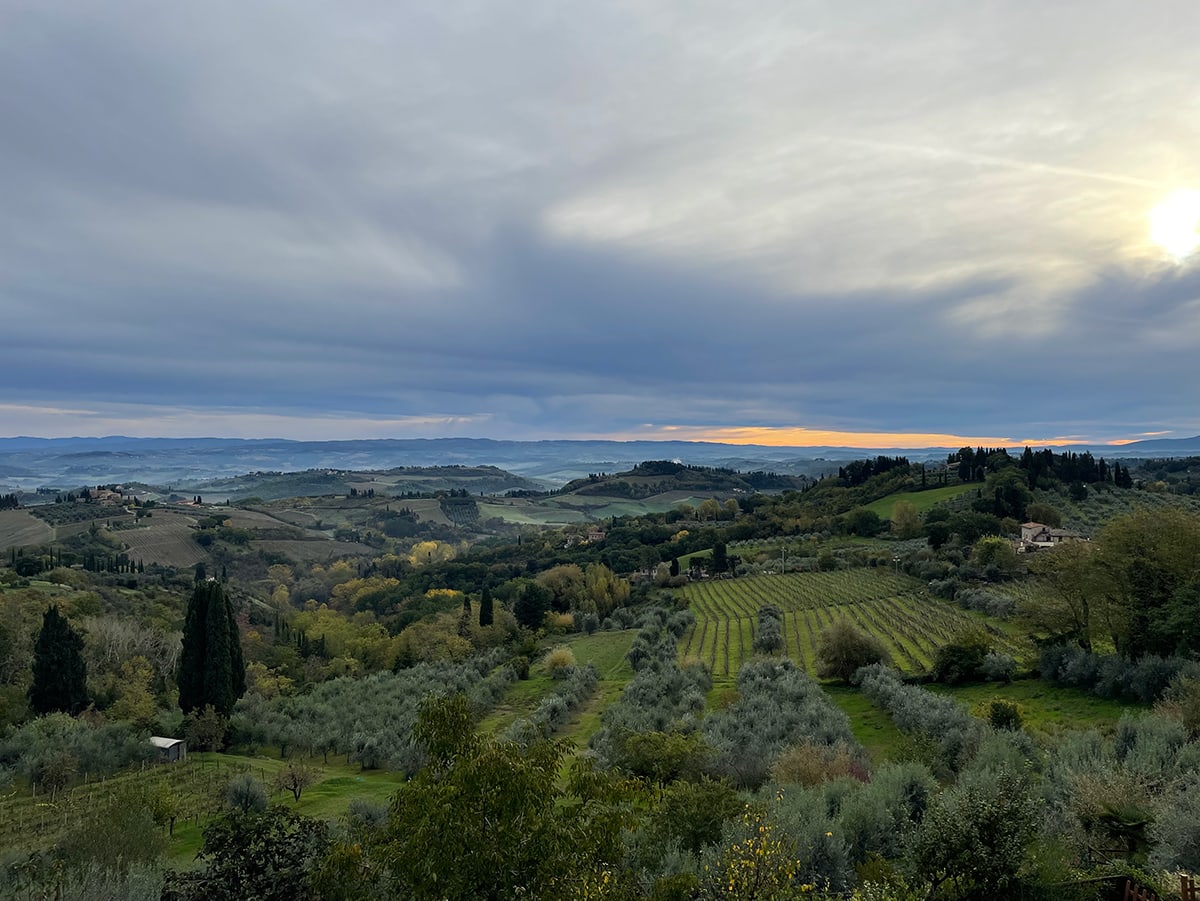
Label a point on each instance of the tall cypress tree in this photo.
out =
(211, 667)
(59, 672)
(485, 607)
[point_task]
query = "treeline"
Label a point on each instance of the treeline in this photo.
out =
(1041, 468)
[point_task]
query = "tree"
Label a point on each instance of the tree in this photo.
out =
(1148, 560)
(296, 777)
(212, 670)
(531, 605)
(604, 589)
(843, 648)
(905, 523)
(1073, 604)
(59, 672)
(517, 832)
(486, 614)
(975, 836)
(265, 856)
(720, 558)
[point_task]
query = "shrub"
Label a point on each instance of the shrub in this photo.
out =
(559, 661)
(962, 659)
(777, 706)
(520, 666)
(366, 814)
(843, 648)
(1181, 702)
(810, 764)
(998, 667)
(1110, 676)
(914, 710)
(769, 639)
(974, 836)
(245, 794)
(1000, 713)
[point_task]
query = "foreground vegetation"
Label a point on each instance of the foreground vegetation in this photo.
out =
(859, 689)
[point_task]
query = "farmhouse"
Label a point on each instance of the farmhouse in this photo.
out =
(170, 750)
(1035, 536)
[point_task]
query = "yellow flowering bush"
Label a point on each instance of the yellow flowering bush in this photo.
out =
(756, 866)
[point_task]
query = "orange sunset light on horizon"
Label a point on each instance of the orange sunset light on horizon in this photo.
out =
(801, 437)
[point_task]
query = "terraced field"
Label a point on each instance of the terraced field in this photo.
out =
(894, 607)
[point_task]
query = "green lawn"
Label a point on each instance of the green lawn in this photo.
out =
(922, 500)
(872, 726)
(338, 784)
(1046, 708)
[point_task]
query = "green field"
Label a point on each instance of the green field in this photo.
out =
(922, 500)
(1045, 708)
(198, 789)
(604, 650)
(895, 608)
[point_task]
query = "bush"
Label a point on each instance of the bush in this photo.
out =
(810, 764)
(777, 706)
(520, 666)
(998, 667)
(769, 639)
(975, 836)
(1110, 676)
(1000, 713)
(843, 648)
(962, 659)
(246, 794)
(914, 710)
(366, 814)
(560, 661)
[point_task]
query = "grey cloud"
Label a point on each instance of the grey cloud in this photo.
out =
(589, 216)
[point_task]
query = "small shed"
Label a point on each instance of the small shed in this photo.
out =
(170, 750)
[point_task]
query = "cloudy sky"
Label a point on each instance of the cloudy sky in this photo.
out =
(780, 221)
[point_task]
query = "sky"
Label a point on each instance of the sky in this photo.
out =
(778, 222)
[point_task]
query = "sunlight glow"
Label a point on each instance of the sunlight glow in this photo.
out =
(802, 437)
(1174, 223)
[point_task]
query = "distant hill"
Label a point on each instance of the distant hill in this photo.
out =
(29, 463)
(663, 476)
(486, 480)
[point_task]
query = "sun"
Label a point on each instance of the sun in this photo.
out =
(1174, 223)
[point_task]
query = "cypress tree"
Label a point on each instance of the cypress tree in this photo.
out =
(211, 667)
(485, 607)
(59, 672)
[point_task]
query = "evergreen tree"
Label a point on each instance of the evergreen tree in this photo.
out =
(531, 605)
(720, 558)
(486, 615)
(211, 667)
(59, 673)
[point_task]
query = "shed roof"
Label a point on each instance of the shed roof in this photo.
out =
(160, 742)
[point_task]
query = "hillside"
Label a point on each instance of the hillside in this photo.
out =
(658, 477)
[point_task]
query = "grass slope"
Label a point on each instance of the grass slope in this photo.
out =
(922, 500)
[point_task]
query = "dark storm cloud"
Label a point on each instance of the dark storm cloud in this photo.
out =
(578, 219)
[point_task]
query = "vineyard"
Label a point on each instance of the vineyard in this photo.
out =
(897, 609)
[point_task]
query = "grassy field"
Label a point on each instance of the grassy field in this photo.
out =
(605, 650)
(896, 609)
(198, 788)
(872, 726)
(922, 500)
(19, 528)
(338, 784)
(1045, 708)
(166, 538)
